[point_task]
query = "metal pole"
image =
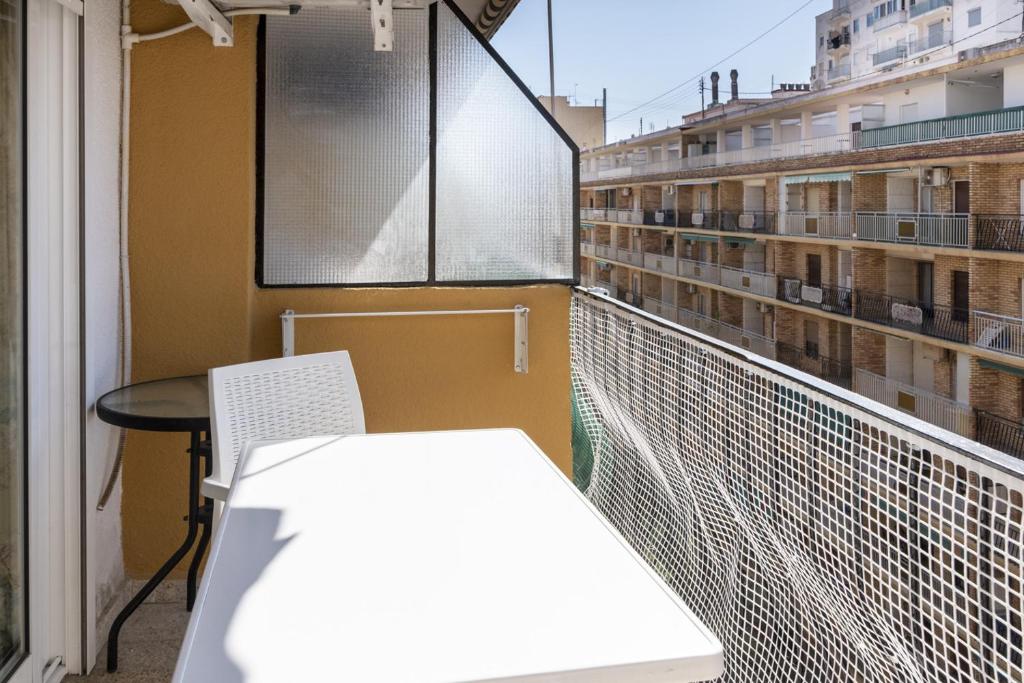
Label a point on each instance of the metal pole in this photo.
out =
(604, 112)
(551, 58)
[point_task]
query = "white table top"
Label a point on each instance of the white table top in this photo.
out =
(428, 557)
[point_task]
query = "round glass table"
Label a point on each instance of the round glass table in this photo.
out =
(178, 404)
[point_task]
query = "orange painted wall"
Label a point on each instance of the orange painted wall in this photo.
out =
(195, 304)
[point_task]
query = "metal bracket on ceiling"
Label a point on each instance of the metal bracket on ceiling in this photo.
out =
(383, 30)
(206, 16)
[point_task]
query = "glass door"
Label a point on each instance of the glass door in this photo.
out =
(13, 518)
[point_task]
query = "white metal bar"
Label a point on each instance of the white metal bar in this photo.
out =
(383, 31)
(521, 313)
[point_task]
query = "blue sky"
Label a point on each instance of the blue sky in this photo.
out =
(641, 48)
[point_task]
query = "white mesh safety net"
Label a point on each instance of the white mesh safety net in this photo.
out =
(821, 538)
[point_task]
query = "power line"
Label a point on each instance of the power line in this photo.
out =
(730, 56)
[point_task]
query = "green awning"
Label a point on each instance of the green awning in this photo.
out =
(587, 226)
(818, 178)
(1009, 369)
(698, 238)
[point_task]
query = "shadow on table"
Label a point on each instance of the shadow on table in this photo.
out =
(251, 547)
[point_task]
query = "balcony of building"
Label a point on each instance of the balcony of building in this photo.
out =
(925, 405)
(927, 318)
(931, 229)
(838, 72)
(1000, 333)
(757, 222)
(931, 40)
(891, 20)
(824, 297)
(826, 224)
(889, 54)
(1006, 120)
(999, 232)
(930, 10)
(1000, 433)
(838, 42)
(750, 281)
(811, 361)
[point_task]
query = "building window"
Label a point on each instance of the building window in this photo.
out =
(974, 17)
(856, 25)
(374, 170)
(821, 41)
(814, 270)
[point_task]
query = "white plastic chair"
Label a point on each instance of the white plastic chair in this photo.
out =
(282, 398)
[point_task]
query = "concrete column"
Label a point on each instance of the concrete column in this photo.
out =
(842, 118)
(748, 136)
(720, 141)
(776, 131)
(806, 125)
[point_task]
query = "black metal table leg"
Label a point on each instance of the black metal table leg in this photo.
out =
(206, 519)
(161, 574)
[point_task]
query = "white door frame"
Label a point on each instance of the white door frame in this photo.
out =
(54, 406)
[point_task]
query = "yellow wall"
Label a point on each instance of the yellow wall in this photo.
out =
(195, 304)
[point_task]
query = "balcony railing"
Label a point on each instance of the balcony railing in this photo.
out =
(660, 308)
(751, 281)
(660, 217)
(605, 251)
(751, 341)
(888, 21)
(923, 7)
(824, 297)
(663, 263)
(698, 219)
(613, 291)
(589, 214)
(698, 321)
(837, 372)
(839, 71)
(1001, 333)
(898, 51)
(999, 232)
(922, 404)
(699, 270)
(835, 225)
(629, 216)
(933, 229)
(633, 258)
(1000, 433)
(934, 320)
(586, 248)
(929, 41)
(761, 222)
(959, 126)
(819, 535)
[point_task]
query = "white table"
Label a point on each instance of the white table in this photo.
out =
(442, 556)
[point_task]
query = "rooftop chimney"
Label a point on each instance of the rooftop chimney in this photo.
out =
(714, 87)
(735, 88)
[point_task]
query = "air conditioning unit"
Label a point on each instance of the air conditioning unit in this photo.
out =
(625, 192)
(936, 177)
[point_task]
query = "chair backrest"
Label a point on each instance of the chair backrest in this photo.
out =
(281, 398)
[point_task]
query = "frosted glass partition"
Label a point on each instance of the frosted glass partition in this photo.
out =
(346, 150)
(505, 175)
(431, 164)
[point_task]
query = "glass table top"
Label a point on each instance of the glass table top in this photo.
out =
(178, 404)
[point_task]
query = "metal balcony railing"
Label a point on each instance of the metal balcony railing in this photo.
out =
(929, 41)
(934, 320)
(999, 232)
(660, 217)
(888, 21)
(839, 71)
(659, 308)
(820, 535)
(627, 216)
(605, 251)
(699, 270)
(751, 341)
(834, 225)
(698, 321)
(962, 125)
(922, 404)
(824, 297)
(1001, 333)
(661, 262)
(933, 229)
(626, 255)
(751, 281)
(1000, 433)
(923, 7)
(698, 219)
(837, 372)
(590, 214)
(898, 51)
(761, 222)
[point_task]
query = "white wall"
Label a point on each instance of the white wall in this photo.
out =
(930, 98)
(104, 565)
(1013, 85)
(965, 99)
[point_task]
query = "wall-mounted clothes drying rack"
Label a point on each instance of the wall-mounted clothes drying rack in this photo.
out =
(521, 316)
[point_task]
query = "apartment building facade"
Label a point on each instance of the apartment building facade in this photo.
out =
(870, 233)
